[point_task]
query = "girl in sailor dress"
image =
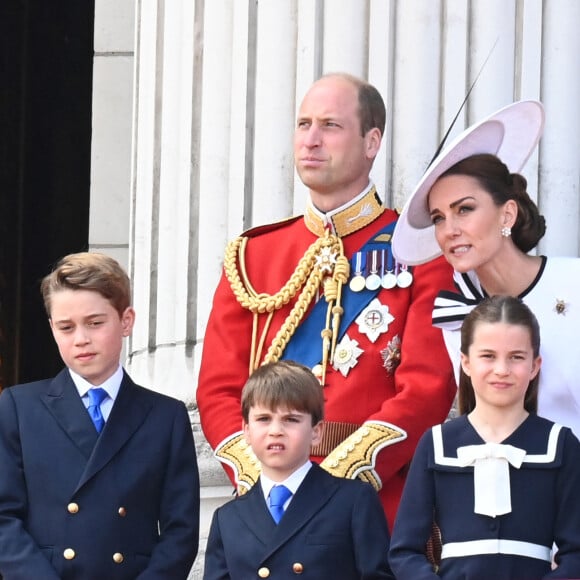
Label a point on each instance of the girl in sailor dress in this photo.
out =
(501, 483)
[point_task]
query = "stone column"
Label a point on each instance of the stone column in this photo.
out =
(174, 253)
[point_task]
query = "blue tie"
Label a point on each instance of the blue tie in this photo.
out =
(96, 397)
(279, 494)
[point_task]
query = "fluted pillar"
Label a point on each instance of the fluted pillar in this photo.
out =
(174, 255)
(559, 160)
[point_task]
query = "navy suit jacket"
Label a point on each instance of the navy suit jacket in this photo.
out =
(76, 505)
(333, 528)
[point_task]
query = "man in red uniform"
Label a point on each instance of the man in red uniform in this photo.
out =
(324, 289)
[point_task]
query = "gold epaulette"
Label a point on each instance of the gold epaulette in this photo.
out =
(236, 453)
(356, 456)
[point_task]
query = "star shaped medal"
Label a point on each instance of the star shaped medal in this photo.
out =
(374, 320)
(346, 355)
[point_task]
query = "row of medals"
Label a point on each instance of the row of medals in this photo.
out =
(377, 268)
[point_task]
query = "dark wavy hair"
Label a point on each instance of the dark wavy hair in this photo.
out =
(494, 309)
(494, 177)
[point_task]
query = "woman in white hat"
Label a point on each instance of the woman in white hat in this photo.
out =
(472, 206)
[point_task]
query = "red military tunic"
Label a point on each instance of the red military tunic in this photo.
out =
(410, 397)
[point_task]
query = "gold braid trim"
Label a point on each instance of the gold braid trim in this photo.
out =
(296, 315)
(333, 295)
(240, 457)
(356, 456)
(323, 262)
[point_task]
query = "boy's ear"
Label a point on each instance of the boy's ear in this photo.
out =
(317, 431)
(128, 320)
(245, 429)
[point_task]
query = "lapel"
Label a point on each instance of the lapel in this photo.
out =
(128, 413)
(63, 402)
(315, 491)
(254, 512)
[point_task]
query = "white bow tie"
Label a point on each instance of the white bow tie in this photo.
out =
(491, 475)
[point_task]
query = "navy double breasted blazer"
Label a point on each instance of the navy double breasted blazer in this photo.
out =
(77, 505)
(333, 528)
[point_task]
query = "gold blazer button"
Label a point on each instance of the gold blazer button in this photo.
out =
(122, 511)
(264, 572)
(72, 508)
(297, 568)
(118, 557)
(69, 554)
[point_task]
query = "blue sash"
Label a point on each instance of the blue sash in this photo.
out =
(303, 346)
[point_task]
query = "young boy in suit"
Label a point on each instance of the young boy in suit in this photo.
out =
(328, 527)
(98, 476)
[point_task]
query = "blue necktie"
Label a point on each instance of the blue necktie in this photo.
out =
(96, 397)
(279, 494)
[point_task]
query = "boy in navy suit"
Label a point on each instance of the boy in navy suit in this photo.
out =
(328, 527)
(98, 476)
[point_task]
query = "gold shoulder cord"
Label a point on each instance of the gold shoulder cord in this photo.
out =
(324, 263)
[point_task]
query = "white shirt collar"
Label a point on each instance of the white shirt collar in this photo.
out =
(111, 385)
(292, 483)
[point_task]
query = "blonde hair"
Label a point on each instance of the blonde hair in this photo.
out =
(89, 271)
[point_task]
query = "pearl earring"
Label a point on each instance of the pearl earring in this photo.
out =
(506, 232)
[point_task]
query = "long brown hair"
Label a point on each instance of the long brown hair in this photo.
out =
(494, 309)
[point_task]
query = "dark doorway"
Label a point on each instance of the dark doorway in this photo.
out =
(46, 67)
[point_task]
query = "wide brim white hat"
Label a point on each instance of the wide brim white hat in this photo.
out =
(511, 134)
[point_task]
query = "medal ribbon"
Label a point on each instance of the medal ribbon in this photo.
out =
(299, 348)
